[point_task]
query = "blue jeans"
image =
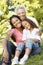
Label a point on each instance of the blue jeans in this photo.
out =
(11, 50)
(34, 47)
(29, 44)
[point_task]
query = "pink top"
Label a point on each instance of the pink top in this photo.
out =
(17, 35)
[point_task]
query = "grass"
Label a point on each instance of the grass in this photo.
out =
(0, 56)
(36, 59)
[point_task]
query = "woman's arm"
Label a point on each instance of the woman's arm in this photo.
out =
(4, 42)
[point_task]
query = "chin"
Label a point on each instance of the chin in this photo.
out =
(19, 25)
(22, 18)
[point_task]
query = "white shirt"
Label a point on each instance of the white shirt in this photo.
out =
(33, 35)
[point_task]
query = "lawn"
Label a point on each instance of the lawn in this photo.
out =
(36, 59)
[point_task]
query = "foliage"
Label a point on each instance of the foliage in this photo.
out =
(34, 8)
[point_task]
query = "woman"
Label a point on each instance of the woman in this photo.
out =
(16, 34)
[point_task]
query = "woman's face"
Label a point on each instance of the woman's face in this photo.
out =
(21, 14)
(26, 25)
(16, 22)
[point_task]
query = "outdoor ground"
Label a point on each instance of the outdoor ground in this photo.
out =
(33, 60)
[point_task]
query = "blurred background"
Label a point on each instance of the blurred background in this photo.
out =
(34, 8)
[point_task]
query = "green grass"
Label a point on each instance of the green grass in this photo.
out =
(36, 59)
(0, 56)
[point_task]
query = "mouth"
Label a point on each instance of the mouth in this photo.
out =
(18, 25)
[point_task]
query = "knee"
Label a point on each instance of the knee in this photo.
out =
(39, 50)
(20, 46)
(29, 44)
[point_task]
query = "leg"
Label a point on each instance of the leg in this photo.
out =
(10, 47)
(28, 45)
(17, 53)
(35, 50)
(19, 49)
(22, 53)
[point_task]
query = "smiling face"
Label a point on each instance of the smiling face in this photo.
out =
(26, 25)
(16, 22)
(21, 14)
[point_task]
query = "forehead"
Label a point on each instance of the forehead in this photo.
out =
(15, 18)
(20, 10)
(25, 22)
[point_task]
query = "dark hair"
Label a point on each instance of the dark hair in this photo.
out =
(12, 24)
(32, 24)
(13, 17)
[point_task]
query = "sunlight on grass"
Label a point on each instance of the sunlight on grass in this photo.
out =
(1, 50)
(42, 36)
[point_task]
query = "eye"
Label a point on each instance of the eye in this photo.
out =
(19, 13)
(13, 22)
(17, 20)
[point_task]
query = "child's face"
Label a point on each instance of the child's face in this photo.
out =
(25, 24)
(16, 22)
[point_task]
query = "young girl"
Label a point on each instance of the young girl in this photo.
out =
(16, 34)
(30, 38)
(31, 35)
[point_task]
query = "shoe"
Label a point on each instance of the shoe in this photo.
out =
(23, 60)
(14, 61)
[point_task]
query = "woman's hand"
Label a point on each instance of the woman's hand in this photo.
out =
(5, 55)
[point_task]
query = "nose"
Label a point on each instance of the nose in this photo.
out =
(21, 14)
(26, 26)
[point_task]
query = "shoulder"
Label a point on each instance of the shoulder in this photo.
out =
(25, 30)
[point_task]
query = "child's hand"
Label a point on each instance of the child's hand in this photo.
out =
(39, 33)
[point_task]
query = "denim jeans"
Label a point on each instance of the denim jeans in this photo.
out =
(29, 44)
(11, 50)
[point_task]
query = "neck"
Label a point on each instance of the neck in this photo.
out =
(31, 29)
(20, 29)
